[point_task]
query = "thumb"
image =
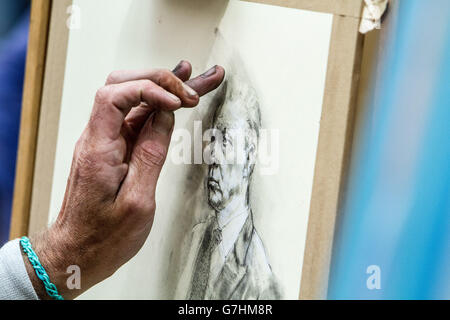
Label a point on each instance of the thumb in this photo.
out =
(147, 160)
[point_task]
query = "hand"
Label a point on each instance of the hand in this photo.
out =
(109, 204)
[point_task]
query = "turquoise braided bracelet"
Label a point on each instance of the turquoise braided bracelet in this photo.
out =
(40, 271)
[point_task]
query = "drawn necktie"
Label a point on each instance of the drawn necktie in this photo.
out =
(200, 279)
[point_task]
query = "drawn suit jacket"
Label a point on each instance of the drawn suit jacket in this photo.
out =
(246, 274)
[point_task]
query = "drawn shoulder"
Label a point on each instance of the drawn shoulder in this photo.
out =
(256, 254)
(262, 271)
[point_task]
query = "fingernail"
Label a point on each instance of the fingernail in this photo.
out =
(191, 92)
(173, 97)
(178, 67)
(163, 122)
(210, 72)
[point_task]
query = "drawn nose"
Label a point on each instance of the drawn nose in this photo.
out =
(214, 153)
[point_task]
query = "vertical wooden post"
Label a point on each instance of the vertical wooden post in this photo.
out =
(37, 46)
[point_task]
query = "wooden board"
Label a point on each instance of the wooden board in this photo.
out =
(348, 8)
(49, 116)
(37, 47)
(333, 154)
(37, 148)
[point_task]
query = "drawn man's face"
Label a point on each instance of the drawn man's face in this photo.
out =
(225, 180)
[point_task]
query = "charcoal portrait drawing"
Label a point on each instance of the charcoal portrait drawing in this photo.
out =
(227, 256)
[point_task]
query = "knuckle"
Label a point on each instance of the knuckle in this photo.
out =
(131, 205)
(147, 84)
(103, 95)
(113, 77)
(151, 154)
(164, 74)
(166, 78)
(135, 205)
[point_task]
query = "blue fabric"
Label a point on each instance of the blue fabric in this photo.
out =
(397, 209)
(12, 67)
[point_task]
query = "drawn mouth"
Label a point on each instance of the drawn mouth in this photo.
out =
(213, 184)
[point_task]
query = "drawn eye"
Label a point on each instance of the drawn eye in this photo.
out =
(213, 138)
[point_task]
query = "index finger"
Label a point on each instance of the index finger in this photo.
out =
(202, 84)
(114, 102)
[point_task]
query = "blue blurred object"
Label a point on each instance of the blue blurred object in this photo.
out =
(397, 210)
(10, 12)
(12, 67)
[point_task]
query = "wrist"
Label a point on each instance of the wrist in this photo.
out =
(54, 259)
